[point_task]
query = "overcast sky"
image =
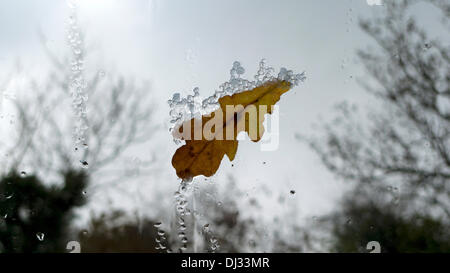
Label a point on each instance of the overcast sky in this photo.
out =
(179, 45)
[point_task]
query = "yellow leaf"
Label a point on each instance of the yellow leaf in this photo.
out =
(216, 135)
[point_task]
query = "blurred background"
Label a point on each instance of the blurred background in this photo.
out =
(85, 148)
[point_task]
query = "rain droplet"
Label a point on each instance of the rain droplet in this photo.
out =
(252, 243)
(157, 224)
(40, 236)
(292, 192)
(396, 201)
(206, 228)
(23, 173)
(84, 163)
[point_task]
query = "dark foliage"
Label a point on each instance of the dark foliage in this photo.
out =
(36, 217)
(359, 222)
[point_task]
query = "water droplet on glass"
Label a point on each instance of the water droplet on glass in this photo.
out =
(396, 201)
(206, 228)
(292, 192)
(84, 163)
(40, 236)
(252, 243)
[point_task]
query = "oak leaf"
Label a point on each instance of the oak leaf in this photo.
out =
(205, 147)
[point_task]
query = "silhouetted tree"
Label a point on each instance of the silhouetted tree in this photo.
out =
(36, 217)
(399, 157)
(119, 113)
(42, 142)
(407, 144)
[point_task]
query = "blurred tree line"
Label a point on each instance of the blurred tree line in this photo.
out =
(398, 160)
